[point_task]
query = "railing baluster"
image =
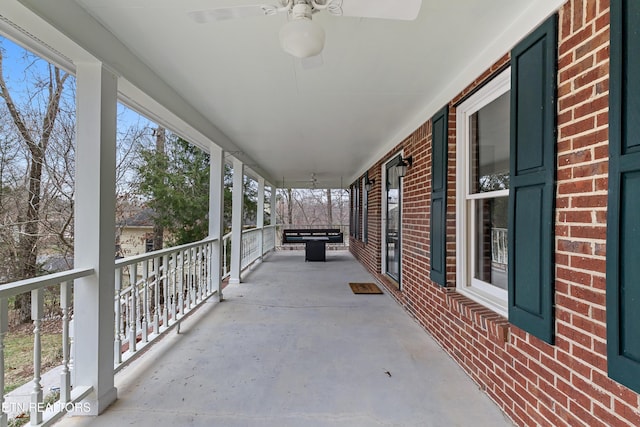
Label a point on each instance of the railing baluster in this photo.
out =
(117, 342)
(198, 274)
(224, 258)
(37, 308)
(206, 266)
(144, 309)
(207, 269)
(65, 375)
(184, 286)
(190, 282)
(194, 276)
(179, 284)
(189, 278)
(174, 288)
(4, 321)
(156, 295)
(204, 287)
(133, 277)
(165, 286)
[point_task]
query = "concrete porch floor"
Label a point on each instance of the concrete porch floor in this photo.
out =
(293, 346)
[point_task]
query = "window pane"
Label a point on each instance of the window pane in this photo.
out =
(491, 241)
(489, 134)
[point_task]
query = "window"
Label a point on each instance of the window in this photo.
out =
(365, 209)
(482, 127)
(148, 243)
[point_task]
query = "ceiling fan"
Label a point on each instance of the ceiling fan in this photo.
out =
(311, 183)
(300, 36)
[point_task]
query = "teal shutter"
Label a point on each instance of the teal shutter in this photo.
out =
(439, 140)
(532, 181)
(623, 221)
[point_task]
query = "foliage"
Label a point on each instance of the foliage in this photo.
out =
(25, 417)
(176, 184)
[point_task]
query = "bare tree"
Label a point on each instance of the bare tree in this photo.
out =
(306, 207)
(35, 129)
(289, 206)
(158, 229)
(329, 209)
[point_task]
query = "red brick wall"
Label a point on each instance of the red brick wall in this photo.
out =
(534, 383)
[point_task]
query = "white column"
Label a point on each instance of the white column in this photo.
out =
(96, 90)
(236, 220)
(273, 220)
(216, 214)
(272, 206)
(260, 215)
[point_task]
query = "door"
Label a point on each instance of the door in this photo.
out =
(394, 220)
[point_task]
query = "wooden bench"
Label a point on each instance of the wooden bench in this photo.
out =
(315, 240)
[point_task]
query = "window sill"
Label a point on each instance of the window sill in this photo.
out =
(496, 326)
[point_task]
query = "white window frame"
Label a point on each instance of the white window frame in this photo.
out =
(365, 210)
(383, 222)
(490, 296)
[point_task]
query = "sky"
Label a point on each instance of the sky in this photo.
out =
(16, 61)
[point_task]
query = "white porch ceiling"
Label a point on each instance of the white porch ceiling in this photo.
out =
(230, 81)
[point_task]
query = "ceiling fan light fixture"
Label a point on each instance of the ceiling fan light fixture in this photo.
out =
(302, 38)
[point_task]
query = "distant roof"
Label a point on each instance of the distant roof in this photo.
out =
(144, 218)
(55, 263)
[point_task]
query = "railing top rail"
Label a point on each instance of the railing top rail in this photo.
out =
(306, 226)
(251, 230)
(26, 285)
(123, 262)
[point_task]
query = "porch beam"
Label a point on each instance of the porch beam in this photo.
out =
(96, 92)
(216, 215)
(236, 220)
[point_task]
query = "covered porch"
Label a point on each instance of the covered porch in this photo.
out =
(292, 345)
(288, 344)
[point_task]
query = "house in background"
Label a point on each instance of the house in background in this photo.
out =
(135, 234)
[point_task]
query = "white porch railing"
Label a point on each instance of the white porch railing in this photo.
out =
(226, 255)
(154, 291)
(38, 411)
(268, 238)
(251, 244)
(251, 240)
(499, 246)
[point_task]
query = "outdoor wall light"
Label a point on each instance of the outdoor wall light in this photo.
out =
(368, 184)
(403, 164)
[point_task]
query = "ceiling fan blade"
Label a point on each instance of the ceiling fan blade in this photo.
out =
(312, 62)
(224, 13)
(406, 10)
